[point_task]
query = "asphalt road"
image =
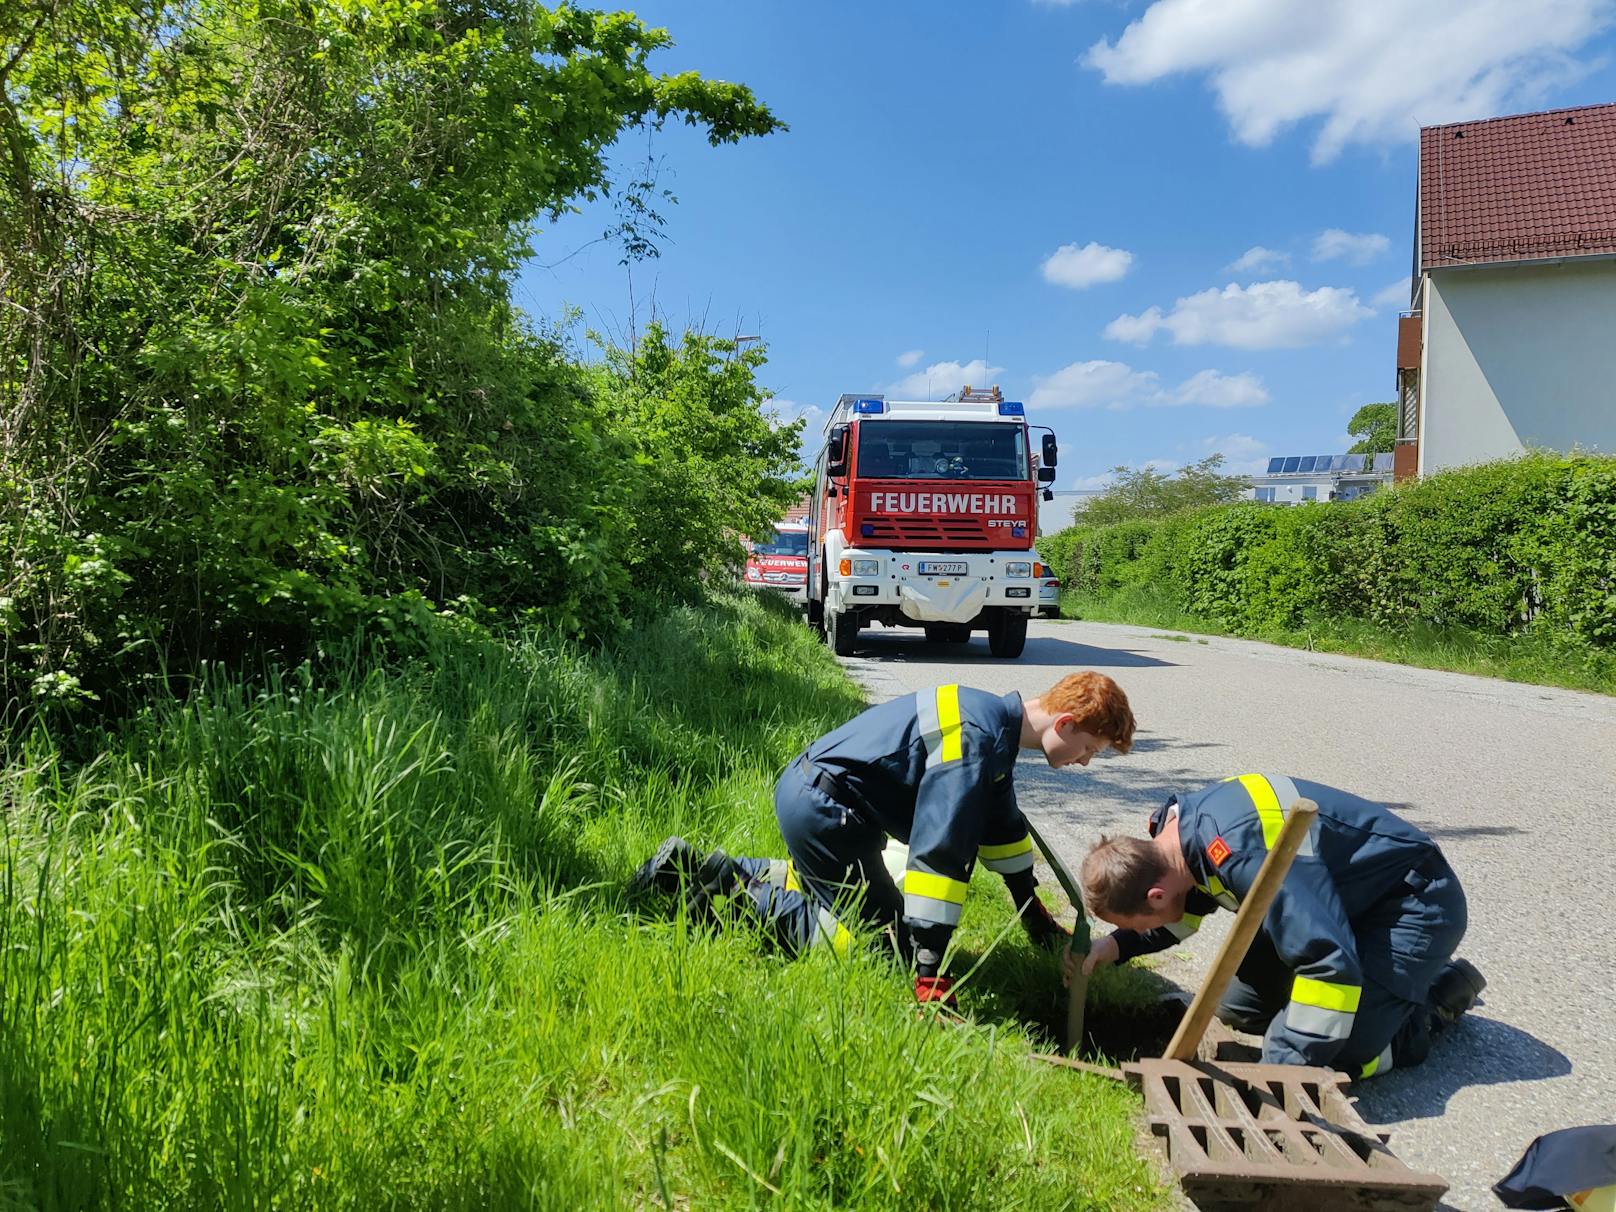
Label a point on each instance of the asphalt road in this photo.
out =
(1515, 782)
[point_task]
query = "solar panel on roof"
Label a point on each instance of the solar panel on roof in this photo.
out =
(1383, 462)
(1291, 462)
(1275, 464)
(1307, 463)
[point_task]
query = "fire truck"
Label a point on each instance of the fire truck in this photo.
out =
(924, 515)
(779, 560)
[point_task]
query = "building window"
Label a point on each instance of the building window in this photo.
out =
(1408, 410)
(1265, 494)
(1309, 492)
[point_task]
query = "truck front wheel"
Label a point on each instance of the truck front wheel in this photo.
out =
(1007, 633)
(841, 630)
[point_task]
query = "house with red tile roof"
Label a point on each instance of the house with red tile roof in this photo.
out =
(1510, 341)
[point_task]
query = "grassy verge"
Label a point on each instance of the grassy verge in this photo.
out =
(355, 939)
(1531, 657)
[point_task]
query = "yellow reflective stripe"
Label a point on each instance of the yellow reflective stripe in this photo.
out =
(1325, 995)
(1008, 850)
(1381, 1063)
(792, 883)
(1268, 809)
(1214, 886)
(948, 716)
(1185, 926)
(937, 887)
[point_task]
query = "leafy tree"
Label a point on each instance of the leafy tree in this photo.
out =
(707, 458)
(1144, 492)
(1375, 427)
(261, 378)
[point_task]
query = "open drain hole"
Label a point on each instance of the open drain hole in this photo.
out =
(1129, 1034)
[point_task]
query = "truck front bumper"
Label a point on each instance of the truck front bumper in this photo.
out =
(936, 597)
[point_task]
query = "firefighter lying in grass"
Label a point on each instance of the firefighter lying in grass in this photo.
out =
(932, 769)
(1352, 967)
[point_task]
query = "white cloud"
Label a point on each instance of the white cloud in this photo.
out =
(1079, 267)
(1118, 386)
(786, 411)
(1369, 70)
(1395, 294)
(1216, 390)
(1256, 260)
(1093, 385)
(1334, 244)
(1264, 315)
(1136, 330)
(910, 357)
(1243, 455)
(943, 378)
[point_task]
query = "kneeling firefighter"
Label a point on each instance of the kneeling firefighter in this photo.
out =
(934, 770)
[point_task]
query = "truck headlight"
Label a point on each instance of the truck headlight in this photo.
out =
(1018, 568)
(866, 568)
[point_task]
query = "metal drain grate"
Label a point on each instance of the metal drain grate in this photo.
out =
(1255, 1137)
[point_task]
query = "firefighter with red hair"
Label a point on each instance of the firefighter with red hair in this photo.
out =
(933, 770)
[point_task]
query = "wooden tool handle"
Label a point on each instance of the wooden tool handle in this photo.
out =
(1077, 996)
(1077, 993)
(1246, 922)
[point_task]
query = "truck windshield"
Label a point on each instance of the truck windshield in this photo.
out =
(931, 450)
(783, 543)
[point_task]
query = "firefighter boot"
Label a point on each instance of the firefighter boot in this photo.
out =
(1453, 992)
(674, 863)
(716, 879)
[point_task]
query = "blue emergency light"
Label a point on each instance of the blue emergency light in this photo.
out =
(869, 406)
(1011, 408)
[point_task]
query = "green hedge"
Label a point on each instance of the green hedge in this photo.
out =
(1525, 544)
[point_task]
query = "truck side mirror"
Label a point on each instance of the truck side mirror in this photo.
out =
(1049, 451)
(1046, 475)
(836, 452)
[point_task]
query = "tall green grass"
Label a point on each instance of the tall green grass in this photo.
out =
(354, 938)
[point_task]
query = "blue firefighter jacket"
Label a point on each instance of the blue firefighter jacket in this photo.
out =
(933, 769)
(1353, 867)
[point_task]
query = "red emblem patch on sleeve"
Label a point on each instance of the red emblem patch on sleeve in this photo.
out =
(1218, 851)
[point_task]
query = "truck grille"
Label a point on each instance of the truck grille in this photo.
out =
(941, 533)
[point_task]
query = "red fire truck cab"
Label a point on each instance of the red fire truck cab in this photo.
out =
(780, 561)
(924, 515)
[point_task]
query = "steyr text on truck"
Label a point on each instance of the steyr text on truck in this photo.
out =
(924, 515)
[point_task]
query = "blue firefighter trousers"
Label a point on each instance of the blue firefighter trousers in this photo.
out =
(1402, 943)
(836, 875)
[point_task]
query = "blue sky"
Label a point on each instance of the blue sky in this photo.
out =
(1171, 226)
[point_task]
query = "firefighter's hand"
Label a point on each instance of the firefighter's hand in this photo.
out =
(1103, 951)
(1042, 928)
(935, 989)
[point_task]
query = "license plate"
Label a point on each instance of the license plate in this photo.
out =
(942, 567)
